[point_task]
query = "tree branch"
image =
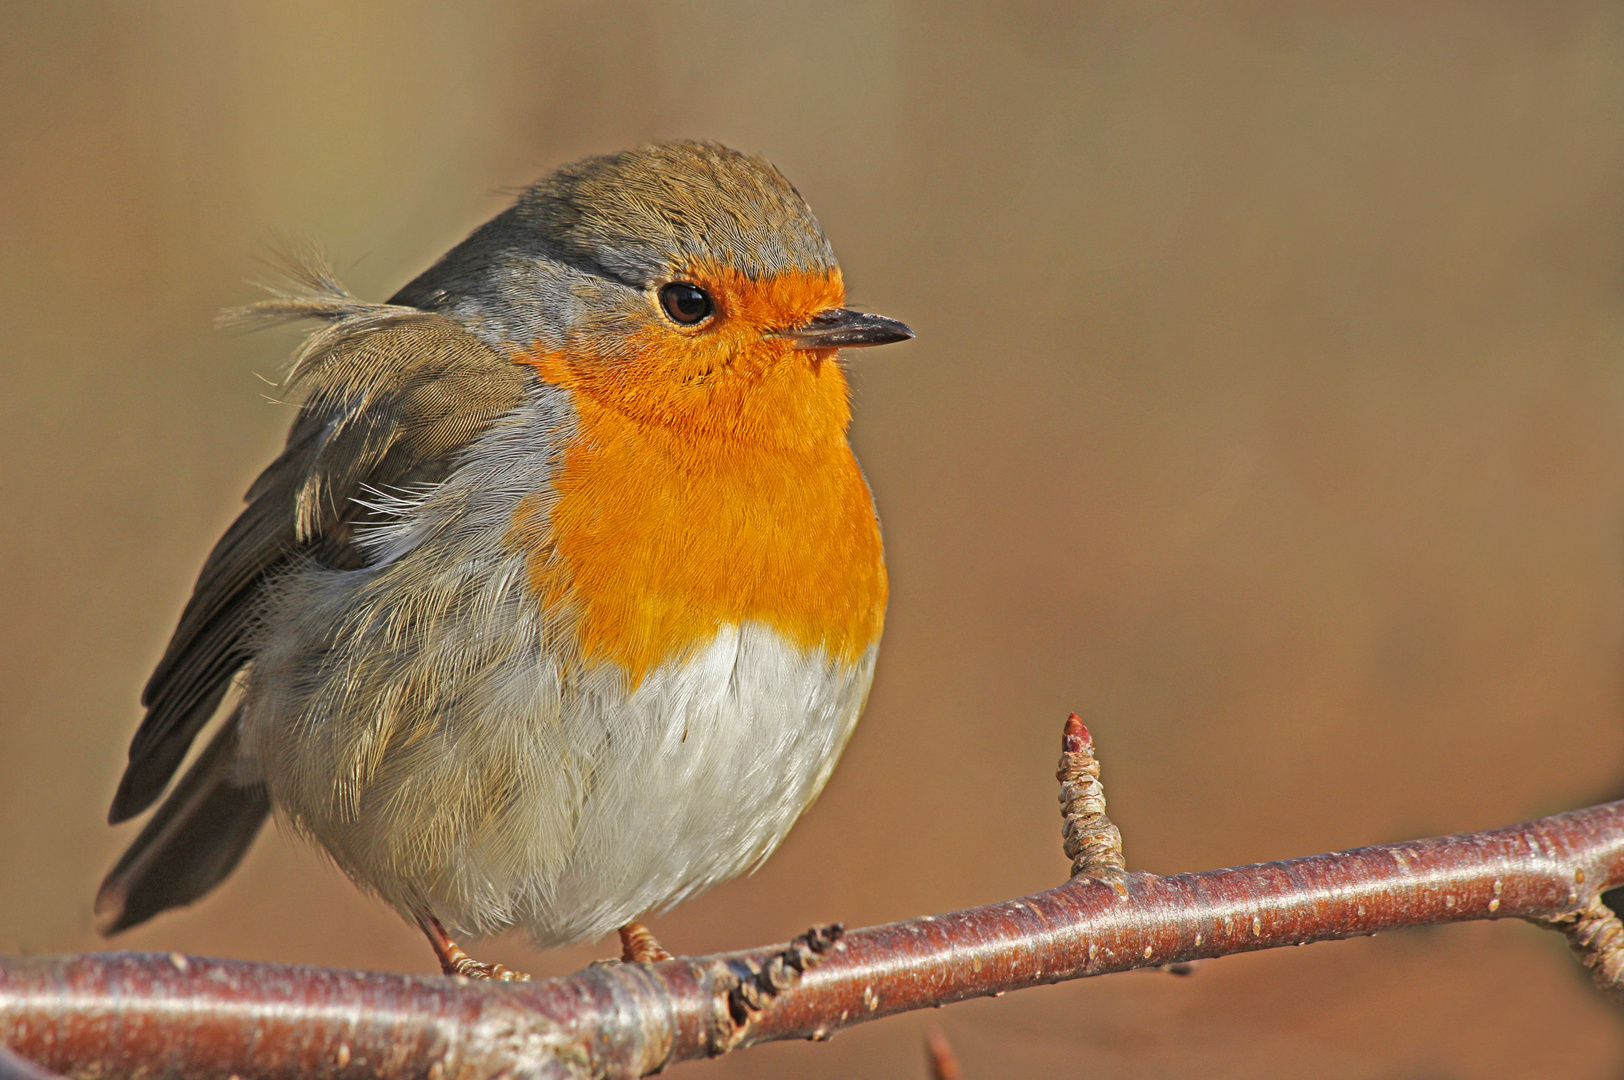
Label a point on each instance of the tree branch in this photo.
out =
(130, 1015)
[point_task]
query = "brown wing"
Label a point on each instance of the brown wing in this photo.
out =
(392, 395)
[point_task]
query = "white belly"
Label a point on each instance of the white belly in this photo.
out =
(696, 777)
(552, 801)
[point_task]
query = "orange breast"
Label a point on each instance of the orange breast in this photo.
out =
(658, 534)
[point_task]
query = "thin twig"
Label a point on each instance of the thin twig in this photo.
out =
(940, 1059)
(121, 1015)
(132, 1015)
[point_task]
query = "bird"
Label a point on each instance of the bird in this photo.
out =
(564, 596)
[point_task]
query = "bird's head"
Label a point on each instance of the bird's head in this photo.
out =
(679, 283)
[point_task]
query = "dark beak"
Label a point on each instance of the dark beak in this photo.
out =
(843, 328)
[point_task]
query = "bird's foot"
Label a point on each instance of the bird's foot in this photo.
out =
(453, 961)
(469, 968)
(639, 946)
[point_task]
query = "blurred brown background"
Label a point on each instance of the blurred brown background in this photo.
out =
(1266, 409)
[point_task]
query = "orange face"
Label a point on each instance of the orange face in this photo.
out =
(728, 373)
(709, 483)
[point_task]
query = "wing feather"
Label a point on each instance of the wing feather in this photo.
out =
(392, 395)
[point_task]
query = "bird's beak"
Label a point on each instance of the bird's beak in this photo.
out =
(843, 328)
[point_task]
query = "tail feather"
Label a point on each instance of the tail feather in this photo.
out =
(191, 843)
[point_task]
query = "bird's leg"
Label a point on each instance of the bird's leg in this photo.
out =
(453, 961)
(638, 946)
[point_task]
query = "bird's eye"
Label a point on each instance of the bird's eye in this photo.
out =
(686, 304)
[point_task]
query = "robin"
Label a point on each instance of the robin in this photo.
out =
(563, 598)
